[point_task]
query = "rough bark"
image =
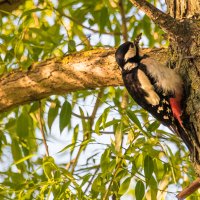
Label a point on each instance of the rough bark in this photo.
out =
(180, 9)
(83, 70)
(185, 52)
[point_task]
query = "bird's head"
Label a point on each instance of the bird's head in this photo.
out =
(126, 55)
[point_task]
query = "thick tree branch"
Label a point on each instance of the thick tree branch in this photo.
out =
(189, 190)
(166, 22)
(79, 71)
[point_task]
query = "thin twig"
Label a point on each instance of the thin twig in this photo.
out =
(96, 106)
(105, 197)
(62, 14)
(91, 119)
(91, 180)
(42, 128)
(79, 116)
(123, 16)
(88, 28)
(75, 160)
(189, 190)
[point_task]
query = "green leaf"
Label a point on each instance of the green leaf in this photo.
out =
(49, 166)
(84, 143)
(124, 186)
(112, 122)
(158, 169)
(24, 159)
(103, 18)
(22, 125)
(85, 179)
(153, 187)
(104, 116)
(53, 113)
(98, 185)
(148, 167)
(102, 121)
(134, 118)
(67, 147)
(16, 151)
(11, 124)
(105, 160)
(97, 125)
(111, 165)
(121, 173)
(17, 154)
(34, 107)
(138, 161)
(19, 49)
(74, 139)
(65, 115)
(139, 190)
(71, 46)
(153, 126)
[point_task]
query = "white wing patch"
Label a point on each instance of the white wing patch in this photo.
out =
(146, 85)
(166, 79)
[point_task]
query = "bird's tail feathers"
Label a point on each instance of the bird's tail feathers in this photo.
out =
(184, 135)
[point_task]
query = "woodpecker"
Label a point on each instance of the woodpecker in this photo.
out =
(155, 87)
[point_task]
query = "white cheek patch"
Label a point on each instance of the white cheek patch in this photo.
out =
(129, 66)
(130, 53)
(146, 85)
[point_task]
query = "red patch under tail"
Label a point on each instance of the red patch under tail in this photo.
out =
(176, 109)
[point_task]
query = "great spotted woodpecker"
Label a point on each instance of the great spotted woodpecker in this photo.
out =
(155, 87)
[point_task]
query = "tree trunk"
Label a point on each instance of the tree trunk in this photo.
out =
(185, 52)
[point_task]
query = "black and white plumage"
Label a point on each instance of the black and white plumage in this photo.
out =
(156, 88)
